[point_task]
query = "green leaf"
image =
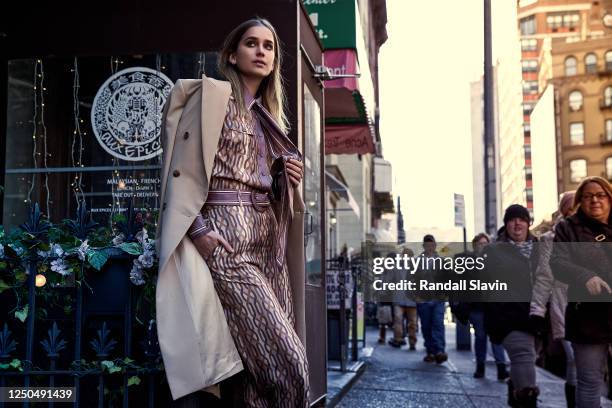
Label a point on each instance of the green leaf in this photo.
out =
(133, 380)
(3, 286)
(114, 369)
(97, 259)
(107, 364)
(16, 363)
(2, 265)
(132, 248)
(22, 314)
(127, 360)
(4, 366)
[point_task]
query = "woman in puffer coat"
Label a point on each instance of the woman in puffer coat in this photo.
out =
(582, 258)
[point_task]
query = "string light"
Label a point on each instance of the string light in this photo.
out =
(77, 134)
(44, 134)
(35, 130)
(114, 62)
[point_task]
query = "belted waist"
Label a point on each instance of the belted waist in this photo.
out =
(238, 197)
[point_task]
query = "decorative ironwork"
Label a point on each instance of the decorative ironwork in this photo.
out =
(82, 225)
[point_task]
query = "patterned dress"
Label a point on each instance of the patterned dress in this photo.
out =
(254, 291)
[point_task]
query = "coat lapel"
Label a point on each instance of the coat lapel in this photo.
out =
(215, 96)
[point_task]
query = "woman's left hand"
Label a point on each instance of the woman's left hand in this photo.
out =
(295, 171)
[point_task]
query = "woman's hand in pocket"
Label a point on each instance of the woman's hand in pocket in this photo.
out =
(207, 243)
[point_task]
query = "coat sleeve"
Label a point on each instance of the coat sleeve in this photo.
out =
(543, 282)
(563, 266)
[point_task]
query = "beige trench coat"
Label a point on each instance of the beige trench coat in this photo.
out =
(196, 345)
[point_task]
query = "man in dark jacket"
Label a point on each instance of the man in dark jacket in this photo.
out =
(512, 259)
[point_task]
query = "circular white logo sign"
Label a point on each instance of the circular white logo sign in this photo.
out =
(126, 113)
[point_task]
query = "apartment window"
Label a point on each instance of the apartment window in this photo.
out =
(570, 66)
(527, 108)
(609, 61)
(608, 130)
(558, 20)
(590, 63)
(575, 101)
(609, 168)
(530, 87)
(530, 65)
(528, 25)
(526, 127)
(529, 44)
(576, 133)
(527, 148)
(578, 170)
(608, 96)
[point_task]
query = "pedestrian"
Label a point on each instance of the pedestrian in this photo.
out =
(513, 258)
(473, 313)
(581, 258)
(232, 218)
(431, 311)
(405, 319)
(549, 291)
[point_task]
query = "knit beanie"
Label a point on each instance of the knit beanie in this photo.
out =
(516, 211)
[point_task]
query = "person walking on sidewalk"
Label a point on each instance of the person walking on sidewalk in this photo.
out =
(582, 258)
(513, 258)
(548, 290)
(405, 315)
(431, 312)
(473, 313)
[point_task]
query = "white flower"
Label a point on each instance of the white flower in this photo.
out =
(82, 250)
(19, 250)
(42, 254)
(118, 240)
(136, 274)
(57, 250)
(146, 259)
(60, 266)
(142, 236)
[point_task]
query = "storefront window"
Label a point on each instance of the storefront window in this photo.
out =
(88, 128)
(312, 188)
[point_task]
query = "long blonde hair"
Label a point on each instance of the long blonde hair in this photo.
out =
(271, 88)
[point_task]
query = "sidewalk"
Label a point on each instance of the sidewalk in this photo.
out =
(399, 378)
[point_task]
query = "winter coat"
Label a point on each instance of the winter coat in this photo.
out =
(504, 260)
(586, 322)
(197, 348)
(548, 290)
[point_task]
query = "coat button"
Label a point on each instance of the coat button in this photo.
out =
(186, 135)
(176, 173)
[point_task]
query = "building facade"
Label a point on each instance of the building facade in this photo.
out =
(540, 22)
(582, 79)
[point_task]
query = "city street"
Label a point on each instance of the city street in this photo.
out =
(399, 378)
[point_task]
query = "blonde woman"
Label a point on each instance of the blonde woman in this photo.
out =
(232, 219)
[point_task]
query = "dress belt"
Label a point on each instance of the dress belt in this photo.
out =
(238, 197)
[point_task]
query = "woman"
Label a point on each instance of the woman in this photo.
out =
(242, 231)
(512, 258)
(582, 258)
(547, 290)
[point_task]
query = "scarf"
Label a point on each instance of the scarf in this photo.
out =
(281, 149)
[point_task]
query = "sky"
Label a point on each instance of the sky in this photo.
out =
(434, 51)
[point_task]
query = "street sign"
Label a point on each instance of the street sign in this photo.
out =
(459, 210)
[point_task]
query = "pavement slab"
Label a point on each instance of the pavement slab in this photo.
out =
(397, 377)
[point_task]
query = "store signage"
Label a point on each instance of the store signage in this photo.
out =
(334, 21)
(126, 113)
